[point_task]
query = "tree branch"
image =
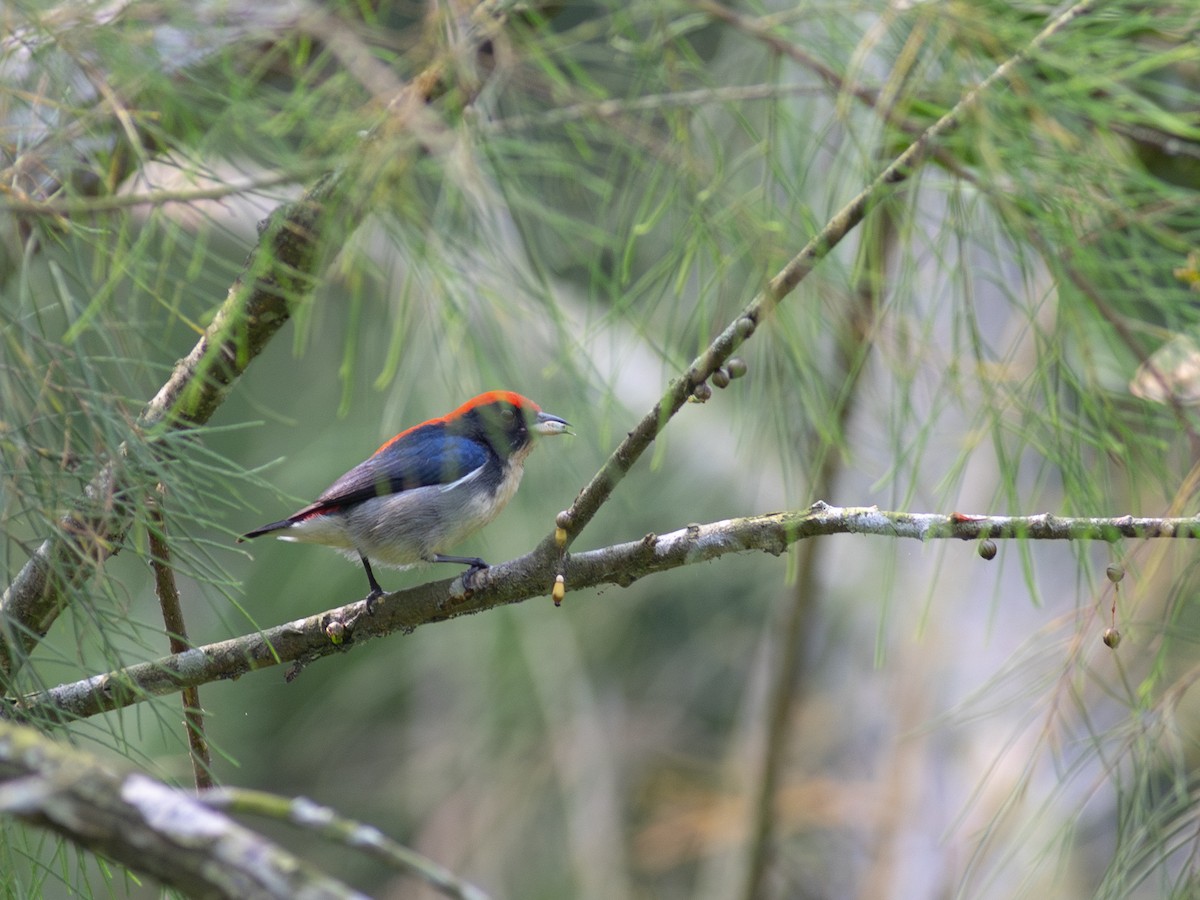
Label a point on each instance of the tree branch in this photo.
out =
(592, 497)
(337, 630)
(279, 271)
(147, 825)
(303, 813)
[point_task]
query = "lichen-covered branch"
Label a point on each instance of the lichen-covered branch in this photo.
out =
(348, 626)
(147, 825)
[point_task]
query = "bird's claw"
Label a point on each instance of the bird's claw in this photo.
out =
(471, 576)
(373, 598)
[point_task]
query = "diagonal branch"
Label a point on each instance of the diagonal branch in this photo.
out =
(597, 491)
(280, 270)
(343, 628)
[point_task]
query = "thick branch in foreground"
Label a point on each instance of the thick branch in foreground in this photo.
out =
(326, 822)
(348, 626)
(147, 825)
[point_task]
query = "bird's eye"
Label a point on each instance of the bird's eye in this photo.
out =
(507, 415)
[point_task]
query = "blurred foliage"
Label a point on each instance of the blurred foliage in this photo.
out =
(589, 202)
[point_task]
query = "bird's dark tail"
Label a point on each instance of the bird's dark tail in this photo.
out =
(266, 529)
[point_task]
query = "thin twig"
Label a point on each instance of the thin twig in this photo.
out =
(598, 490)
(21, 204)
(791, 638)
(609, 109)
(172, 611)
(764, 35)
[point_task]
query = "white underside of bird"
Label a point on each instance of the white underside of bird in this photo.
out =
(411, 527)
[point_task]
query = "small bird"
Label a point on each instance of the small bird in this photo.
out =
(426, 489)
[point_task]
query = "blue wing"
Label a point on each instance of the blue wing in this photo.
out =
(427, 456)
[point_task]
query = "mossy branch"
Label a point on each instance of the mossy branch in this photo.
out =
(147, 825)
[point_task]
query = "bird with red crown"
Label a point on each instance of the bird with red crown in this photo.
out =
(427, 489)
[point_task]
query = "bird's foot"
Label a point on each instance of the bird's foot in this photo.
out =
(472, 578)
(474, 564)
(373, 598)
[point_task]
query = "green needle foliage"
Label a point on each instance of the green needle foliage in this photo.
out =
(573, 201)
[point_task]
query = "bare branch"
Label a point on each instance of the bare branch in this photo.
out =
(343, 628)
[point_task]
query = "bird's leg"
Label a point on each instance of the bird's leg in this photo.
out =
(473, 561)
(376, 590)
(476, 565)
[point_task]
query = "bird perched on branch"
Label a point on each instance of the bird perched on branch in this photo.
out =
(426, 489)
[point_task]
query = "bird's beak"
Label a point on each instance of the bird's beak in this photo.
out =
(548, 424)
